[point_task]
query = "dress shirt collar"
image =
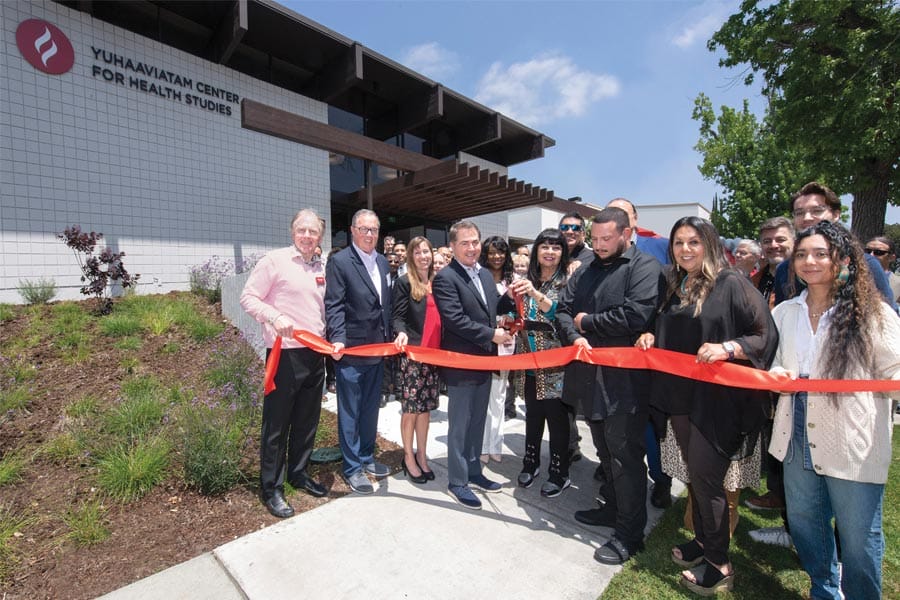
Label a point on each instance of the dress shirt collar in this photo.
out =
(297, 254)
(368, 259)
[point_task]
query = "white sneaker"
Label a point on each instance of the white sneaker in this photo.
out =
(774, 536)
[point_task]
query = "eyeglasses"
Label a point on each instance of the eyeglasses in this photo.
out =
(569, 227)
(816, 211)
(367, 230)
(876, 251)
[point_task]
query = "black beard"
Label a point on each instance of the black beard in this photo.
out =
(623, 245)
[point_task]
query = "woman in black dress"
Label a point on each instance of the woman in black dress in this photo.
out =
(715, 314)
(416, 322)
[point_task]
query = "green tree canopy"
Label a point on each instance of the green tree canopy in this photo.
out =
(744, 157)
(832, 73)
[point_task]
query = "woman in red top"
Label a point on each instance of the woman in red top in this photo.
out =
(416, 322)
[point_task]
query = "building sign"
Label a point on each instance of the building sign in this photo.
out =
(45, 47)
(158, 81)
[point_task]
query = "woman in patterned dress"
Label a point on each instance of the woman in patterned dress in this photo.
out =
(542, 388)
(416, 322)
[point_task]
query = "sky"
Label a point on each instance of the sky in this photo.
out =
(612, 82)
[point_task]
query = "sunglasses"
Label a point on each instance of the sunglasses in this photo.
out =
(876, 251)
(567, 227)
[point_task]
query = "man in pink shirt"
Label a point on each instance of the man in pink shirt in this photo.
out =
(286, 292)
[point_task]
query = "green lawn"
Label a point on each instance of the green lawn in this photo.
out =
(762, 572)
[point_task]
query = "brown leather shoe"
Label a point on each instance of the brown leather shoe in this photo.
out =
(767, 501)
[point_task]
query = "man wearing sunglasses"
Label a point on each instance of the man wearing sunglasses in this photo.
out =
(572, 228)
(882, 248)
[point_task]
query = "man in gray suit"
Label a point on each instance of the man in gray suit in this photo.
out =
(467, 299)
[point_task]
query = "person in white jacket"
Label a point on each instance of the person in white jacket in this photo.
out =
(836, 447)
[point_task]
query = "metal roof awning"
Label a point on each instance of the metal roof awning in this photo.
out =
(451, 190)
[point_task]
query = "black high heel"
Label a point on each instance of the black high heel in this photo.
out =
(429, 475)
(420, 479)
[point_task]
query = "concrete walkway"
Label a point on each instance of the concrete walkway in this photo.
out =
(413, 541)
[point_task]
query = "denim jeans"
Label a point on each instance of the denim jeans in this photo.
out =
(358, 400)
(812, 501)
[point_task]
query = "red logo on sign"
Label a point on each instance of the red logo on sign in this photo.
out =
(45, 46)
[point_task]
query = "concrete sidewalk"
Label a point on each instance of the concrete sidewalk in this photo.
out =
(413, 541)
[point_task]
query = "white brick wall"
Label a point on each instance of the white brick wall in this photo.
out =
(167, 183)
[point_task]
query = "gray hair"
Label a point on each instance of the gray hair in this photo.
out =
(308, 212)
(363, 212)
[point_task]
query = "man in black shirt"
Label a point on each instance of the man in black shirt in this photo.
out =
(609, 303)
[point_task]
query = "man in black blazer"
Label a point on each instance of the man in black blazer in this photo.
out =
(358, 312)
(467, 298)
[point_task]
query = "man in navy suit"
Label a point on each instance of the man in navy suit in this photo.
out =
(358, 312)
(467, 298)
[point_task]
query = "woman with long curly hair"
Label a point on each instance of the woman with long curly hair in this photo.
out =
(496, 258)
(416, 321)
(542, 388)
(836, 447)
(715, 314)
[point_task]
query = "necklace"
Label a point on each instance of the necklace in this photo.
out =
(816, 315)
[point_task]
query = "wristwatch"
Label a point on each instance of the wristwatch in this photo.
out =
(729, 348)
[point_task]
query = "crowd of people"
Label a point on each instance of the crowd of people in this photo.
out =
(805, 298)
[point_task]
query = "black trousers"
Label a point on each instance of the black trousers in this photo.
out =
(619, 440)
(556, 415)
(290, 419)
(706, 468)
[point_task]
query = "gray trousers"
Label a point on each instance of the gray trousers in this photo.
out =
(466, 413)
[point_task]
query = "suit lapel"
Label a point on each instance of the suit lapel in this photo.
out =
(470, 284)
(364, 274)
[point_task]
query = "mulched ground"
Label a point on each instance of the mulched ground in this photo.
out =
(169, 525)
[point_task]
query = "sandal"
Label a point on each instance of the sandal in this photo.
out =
(691, 554)
(708, 580)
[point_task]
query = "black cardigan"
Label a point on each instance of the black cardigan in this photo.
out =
(408, 315)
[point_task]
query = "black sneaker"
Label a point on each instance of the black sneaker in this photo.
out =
(596, 517)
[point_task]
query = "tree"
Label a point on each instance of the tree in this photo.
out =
(746, 159)
(832, 73)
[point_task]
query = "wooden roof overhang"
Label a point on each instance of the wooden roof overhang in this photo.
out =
(272, 43)
(452, 190)
(432, 189)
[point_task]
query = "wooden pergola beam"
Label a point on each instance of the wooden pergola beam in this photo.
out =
(289, 126)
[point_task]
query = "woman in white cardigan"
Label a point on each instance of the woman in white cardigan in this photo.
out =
(836, 448)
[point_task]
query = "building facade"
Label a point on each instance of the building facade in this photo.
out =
(147, 122)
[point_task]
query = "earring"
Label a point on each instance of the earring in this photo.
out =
(843, 276)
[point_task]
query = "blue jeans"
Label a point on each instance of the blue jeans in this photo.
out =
(812, 501)
(359, 398)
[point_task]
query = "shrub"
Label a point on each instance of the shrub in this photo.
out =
(83, 407)
(11, 467)
(119, 325)
(139, 413)
(61, 448)
(87, 523)
(100, 270)
(41, 291)
(206, 278)
(14, 375)
(129, 343)
(211, 449)
(11, 523)
(158, 322)
(14, 399)
(129, 471)
(7, 313)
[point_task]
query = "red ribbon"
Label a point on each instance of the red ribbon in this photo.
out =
(665, 361)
